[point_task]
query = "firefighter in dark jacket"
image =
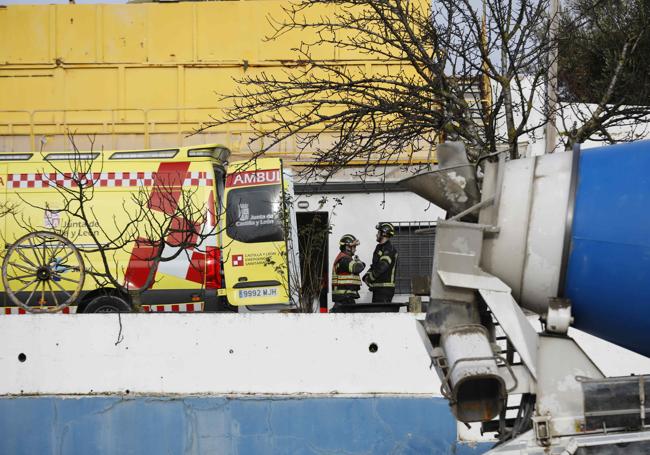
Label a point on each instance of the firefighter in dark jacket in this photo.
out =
(381, 275)
(346, 281)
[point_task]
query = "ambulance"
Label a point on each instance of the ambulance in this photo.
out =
(81, 232)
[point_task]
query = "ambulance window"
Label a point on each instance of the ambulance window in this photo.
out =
(253, 214)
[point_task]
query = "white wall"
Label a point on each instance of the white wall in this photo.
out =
(359, 214)
(280, 354)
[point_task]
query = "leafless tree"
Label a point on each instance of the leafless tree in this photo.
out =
(460, 75)
(303, 280)
(157, 223)
(312, 240)
(460, 69)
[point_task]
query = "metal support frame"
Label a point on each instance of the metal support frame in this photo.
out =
(445, 385)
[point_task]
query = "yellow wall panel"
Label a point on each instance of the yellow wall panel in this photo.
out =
(223, 31)
(124, 32)
(203, 86)
(221, 37)
(76, 29)
(169, 31)
(218, 36)
(151, 88)
(282, 47)
(25, 33)
(28, 93)
(100, 83)
(141, 72)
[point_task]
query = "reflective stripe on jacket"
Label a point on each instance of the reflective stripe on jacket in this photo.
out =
(345, 275)
(384, 264)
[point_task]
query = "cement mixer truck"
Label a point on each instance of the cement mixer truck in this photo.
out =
(566, 237)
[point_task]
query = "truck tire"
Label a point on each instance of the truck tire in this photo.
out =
(108, 304)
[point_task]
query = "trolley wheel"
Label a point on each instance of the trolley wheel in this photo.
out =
(43, 272)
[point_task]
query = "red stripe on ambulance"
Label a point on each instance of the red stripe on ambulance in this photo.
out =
(167, 186)
(139, 264)
(173, 308)
(100, 179)
(197, 266)
(19, 310)
(164, 197)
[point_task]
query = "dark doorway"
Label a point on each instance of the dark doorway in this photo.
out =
(313, 242)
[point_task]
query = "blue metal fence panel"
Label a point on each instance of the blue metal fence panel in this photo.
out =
(223, 425)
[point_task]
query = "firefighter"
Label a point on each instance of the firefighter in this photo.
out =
(381, 275)
(346, 281)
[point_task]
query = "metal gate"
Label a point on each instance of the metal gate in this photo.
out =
(415, 252)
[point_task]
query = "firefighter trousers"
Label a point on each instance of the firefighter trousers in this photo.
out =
(383, 295)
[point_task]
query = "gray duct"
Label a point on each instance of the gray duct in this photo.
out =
(452, 186)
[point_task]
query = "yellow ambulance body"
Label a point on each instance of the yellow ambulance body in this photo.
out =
(38, 186)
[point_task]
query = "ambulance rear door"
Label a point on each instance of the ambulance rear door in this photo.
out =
(255, 258)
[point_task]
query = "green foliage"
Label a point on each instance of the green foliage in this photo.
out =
(600, 40)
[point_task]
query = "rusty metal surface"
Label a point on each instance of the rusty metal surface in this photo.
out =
(472, 383)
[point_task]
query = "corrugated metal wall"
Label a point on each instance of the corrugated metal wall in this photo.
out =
(135, 75)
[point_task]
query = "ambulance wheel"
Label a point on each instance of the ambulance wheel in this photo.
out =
(108, 304)
(43, 272)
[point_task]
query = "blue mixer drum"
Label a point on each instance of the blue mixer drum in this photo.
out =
(608, 273)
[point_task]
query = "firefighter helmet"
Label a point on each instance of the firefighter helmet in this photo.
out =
(386, 229)
(348, 240)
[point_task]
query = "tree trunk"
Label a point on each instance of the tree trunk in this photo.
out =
(136, 301)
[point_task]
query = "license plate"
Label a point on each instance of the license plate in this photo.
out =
(257, 292)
